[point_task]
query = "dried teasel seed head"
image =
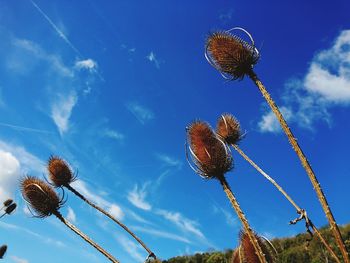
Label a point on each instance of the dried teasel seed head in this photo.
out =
(248, 250)
(228, 128)
(3, 250)
(8, 202)
(40, 196)
(236, 257)
(209, 153)
(10, 208)
(59, 172)
(230, 54)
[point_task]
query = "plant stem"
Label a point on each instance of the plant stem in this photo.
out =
(299, 210)
(243, 219)
(85, 237)
(150, 253)
(306, 165)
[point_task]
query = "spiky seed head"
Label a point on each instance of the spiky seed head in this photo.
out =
(3, 250)
(10, 208)
(59, 172)
(248, 250)
(235, 257)
(40, 196)
(228, 128)
(210, 154)
(230, 54)
(8, 202)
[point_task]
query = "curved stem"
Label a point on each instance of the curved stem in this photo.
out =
(85, 237)
(306, 165)
(299, 210)
(70, 188)
(243, 219)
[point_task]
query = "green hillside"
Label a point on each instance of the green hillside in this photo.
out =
(298, 249)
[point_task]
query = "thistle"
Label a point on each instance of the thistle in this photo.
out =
(3, 250)
(44, 202)
(228, 128)
(234, 58)
(61, 175)
(212, 159)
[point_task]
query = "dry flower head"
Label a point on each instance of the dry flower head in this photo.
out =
(3, 250)
(59, 172)
(229, 129)
(40, 196)
(230, 54)
(209, 153)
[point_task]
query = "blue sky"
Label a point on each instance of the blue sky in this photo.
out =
(111, 86)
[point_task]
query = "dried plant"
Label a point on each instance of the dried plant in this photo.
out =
(44, 202)
(235, 58)
(212, 159)
(61, 175)
(7, 203)
(228, 128)
(3, 250)
(9, 209)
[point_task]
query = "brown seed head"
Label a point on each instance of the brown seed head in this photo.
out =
(8, 202)
(3, 250)
(228, 128)
(248, 250)
(59, 172)
(10, 208)
(209, 153)
(40, 196)
(236, 257)
(230, 54)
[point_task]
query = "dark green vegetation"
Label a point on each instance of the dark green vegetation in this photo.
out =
(298, 249)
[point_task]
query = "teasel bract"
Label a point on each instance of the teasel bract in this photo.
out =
(9, 209)
(228, 128)
(235, 58)
(43, 201)
(209, 156)
(61, 175)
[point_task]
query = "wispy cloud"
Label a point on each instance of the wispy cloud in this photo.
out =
(141, 113)
(137, 197)
(18, 259)
(71, 215)
(163, 234)
(169, 161)
(133, 249)
(9, 174)
(61, 110)
(230, 219)
(24, 230)
(24, 129)
(183, 223)
(97, 199)
(324, 86)
(153, 59)
(55, 27)
(87, 64)
(113, 134)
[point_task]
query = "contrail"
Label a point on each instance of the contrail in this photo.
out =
(58, 31)
(26, 129)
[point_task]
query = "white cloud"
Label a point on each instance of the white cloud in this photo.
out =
(230, 219)
(185, 224)
(71, 215)
(9, 174)
(113, 134)
(88, 64)
(15, 161)
(325, 85)
(61, 111)
(137, 198)
(18, 259)
(81, 186)
(133, 249)
(169, 161)
(269, 122)
(163, 234)
(152, 58)
(141, 113)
